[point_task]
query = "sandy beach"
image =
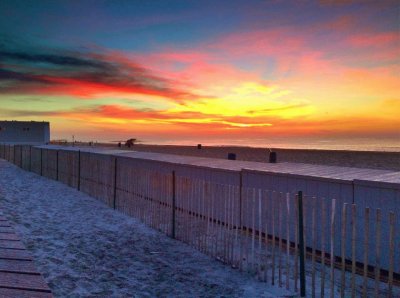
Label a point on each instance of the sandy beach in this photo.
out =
(359, 159)
(85, 249)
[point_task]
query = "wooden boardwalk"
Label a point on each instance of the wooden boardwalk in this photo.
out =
(18, 275)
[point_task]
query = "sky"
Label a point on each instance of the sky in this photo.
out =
(202, 70)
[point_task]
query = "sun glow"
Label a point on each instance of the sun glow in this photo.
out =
(261, 71)
(250, 99)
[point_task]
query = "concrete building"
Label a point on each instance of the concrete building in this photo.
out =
(24, 132)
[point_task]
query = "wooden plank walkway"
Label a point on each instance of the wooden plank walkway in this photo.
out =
(18, 275)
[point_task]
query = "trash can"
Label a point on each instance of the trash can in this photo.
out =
(231, 156)
(272, 157)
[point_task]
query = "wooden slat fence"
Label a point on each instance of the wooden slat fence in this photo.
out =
(250, 228)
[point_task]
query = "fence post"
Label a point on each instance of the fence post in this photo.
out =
(41, 162)
(240, 198)
(115, 182)
(57, 164)
(391, 253)
(332, 247)
(343, 251)
(30, 158)
(22, 147)
(366, 247)
(173, 204)
(301, 247)
(79, 170)
(378, 252)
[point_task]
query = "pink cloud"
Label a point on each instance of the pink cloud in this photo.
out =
(375, 40)
(277, 41)
(341, 23)
(197, 70)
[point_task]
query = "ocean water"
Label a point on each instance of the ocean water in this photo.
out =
(353, 144)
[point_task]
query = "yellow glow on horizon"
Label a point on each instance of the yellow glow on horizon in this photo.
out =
(246, 124)
(250, 99)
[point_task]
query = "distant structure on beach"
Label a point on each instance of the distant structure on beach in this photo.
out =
(24, 132)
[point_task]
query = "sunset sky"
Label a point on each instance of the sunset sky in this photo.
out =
(202, 70)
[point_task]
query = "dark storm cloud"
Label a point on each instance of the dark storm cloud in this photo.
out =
(8, 75)
(83, 74)
(51, 59)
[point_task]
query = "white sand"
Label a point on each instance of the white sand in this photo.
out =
(84, 248)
